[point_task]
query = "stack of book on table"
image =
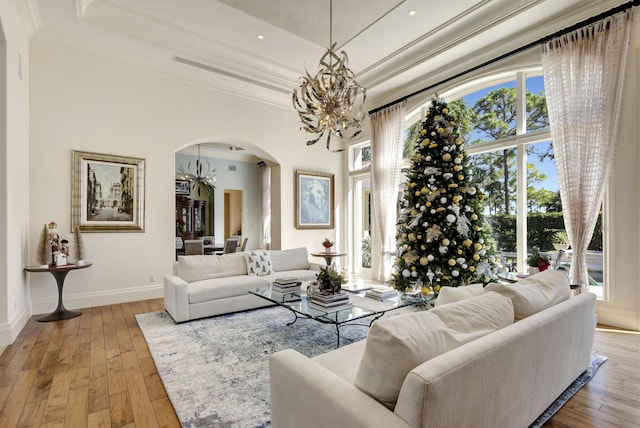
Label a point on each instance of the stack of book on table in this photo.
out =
(329, 302)
(286, 285)
(381, 292)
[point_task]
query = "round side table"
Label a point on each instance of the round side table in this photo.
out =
(328, 257)
(59, 273)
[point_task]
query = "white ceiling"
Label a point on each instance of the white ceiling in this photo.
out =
(214, 42)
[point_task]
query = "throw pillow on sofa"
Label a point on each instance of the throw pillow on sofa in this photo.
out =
(535, 293)
(258, 263)
(453, 294)
(290, 259)
(397, 345)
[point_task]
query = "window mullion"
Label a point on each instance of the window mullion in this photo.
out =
(521, 210)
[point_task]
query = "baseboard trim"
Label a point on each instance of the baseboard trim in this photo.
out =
(10, 331)
(100, 298)
(615, 316)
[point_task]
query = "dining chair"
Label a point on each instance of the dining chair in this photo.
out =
(231, 245)
(179, 246)
(193, 247)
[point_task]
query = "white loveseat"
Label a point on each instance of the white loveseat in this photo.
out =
(203, 286)
(505, 378)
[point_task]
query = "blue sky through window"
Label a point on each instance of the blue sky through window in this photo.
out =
(535, 85)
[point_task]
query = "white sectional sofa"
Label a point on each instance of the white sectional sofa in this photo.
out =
(492, 372)
(203, 286)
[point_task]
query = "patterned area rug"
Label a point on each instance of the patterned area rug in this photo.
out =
(216, 370)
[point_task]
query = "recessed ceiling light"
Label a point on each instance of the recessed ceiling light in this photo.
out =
(412, 12)
(260, 36)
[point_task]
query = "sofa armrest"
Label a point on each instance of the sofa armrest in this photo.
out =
(176, 298)
(306, 394)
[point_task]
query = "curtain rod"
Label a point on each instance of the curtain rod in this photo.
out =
(562, 32)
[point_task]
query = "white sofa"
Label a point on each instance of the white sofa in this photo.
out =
(203, 286)
(506, 378)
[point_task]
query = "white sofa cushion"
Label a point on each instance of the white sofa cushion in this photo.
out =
(397, 345)
(291, 259)
(195, 268)
(477, 316)
(221, 288)
(258, 263)
(453, 294)
(535, 293)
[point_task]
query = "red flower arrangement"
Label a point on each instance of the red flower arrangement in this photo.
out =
(327, 243)
(543, 263)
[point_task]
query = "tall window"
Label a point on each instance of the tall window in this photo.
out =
(506, 130)
(360, 208)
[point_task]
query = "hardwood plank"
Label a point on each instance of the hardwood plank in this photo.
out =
(15, 403)
(47, 370)
(165, 414)
(121, 413)
(141, 405)
(101, 419)
(4, 393)
(117, 381)
(76, 414)
(32, 414)
(13, 369)
(98, 389)
(58, 397)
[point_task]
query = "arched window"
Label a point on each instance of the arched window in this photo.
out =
(508, 138)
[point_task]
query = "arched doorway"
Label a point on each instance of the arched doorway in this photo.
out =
(236, 205)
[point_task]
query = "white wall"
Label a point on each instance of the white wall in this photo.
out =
(81, 101)
(622, 305)
(15, 175)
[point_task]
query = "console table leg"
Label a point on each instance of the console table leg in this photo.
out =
(61, 313)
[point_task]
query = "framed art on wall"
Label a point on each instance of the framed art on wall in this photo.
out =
(107, 193)
(314, 200)
(182, 187)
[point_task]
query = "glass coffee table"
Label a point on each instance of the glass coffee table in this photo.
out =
(364, 311)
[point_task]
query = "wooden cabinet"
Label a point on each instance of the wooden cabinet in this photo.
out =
(190, 217)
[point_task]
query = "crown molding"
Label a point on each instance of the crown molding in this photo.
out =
(430, 68)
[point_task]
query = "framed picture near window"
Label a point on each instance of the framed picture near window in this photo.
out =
(314, 200)
(107, 193)
(182, 187)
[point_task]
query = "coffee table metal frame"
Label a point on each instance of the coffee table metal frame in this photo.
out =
(298, 303)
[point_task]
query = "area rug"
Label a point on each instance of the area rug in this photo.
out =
(216, 370)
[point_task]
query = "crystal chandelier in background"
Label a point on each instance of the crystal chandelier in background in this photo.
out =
(199, 176)
(331, 102)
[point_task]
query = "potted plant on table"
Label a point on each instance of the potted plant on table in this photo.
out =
(327, 244)
(537, 262)
(329, 279)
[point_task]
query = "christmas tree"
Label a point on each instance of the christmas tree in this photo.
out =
(442, 238)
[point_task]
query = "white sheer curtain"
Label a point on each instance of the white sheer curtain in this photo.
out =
(584, 77)
(265, 204)
(386, 157)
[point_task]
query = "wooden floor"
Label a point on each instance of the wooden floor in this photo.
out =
(96, 371)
